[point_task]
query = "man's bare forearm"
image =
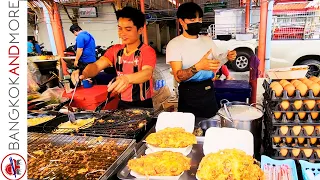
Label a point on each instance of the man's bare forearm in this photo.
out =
(184, 74)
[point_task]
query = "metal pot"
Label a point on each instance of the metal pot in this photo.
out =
(244, 116)
(208, 123)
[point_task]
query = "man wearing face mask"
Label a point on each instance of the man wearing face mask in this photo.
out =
(194, 59)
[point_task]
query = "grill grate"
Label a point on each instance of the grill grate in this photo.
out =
(73, 157)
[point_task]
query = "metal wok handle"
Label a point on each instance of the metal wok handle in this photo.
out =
(258, 104)
(223, 101)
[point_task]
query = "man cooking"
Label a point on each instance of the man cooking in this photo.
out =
(133, 60)
(193, 58)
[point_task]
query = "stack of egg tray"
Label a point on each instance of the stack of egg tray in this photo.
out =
(292, 133)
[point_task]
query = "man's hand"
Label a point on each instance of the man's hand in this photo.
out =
(75, 76)
(121, 84)
(207, 64)
(75, 63)
(232, 55)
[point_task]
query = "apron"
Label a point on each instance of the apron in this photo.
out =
(198, 98)
(136, 103)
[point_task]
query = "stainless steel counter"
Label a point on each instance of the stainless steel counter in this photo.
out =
(195, 155)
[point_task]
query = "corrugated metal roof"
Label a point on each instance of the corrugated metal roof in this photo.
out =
(296, 6)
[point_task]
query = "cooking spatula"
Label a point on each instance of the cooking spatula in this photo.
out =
(71, 116)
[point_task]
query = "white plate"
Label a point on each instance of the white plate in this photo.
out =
(138, 176)
(186, 153)
(180, 150)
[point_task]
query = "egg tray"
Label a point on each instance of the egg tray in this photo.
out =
(276, 106)
(295, 120)
(314, 156)
(302, 134)
(295, 144)
(271, 95)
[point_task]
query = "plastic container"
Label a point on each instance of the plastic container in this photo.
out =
(270, 95)
(315, 155)
(87, 84)
(294, 72)
(265, 160)
(314, 167)
(298, 118)
(235, 90)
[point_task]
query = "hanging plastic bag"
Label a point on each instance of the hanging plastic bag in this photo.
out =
(34, 70)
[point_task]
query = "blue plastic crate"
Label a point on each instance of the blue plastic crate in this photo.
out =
(265, 160)
(305, 165)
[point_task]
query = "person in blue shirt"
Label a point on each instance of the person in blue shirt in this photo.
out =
(37, 47)
(30, 46)
(85, 47)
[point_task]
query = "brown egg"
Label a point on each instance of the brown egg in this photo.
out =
(276, 139)
(302, 88)
(318, 127)
(288, 139)
(296, 83)
(313, 140)
(314, 115)
(302, 79)
(317, 80)
(290, 89)
(307, 152)
(300, 140)
(315, 87)
(277, 89)
(289, 115)
(309, 83)
(312, 78)
(283, 81)
(310, 104)
(293, 81)
(296, 130)
(284, 129)
(285, 105)
(283, 152)
(277, 115)
(318, 152)
(302, 115)
(309, 129)
(297, 104)
(296, 152)
(274, 83)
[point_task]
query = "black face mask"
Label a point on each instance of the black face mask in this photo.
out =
(194, 28)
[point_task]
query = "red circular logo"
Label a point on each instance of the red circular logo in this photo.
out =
(13, 166)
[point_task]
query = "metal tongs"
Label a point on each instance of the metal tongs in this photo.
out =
(71, 116)
(104, 103)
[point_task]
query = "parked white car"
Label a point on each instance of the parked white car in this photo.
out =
(284, 53)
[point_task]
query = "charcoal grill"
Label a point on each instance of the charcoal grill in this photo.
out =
(122, 124)
(75, 157)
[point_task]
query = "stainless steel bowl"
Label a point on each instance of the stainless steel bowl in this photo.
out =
(206, 124)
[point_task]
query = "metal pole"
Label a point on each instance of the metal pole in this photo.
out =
(262, 36)
(248, 11)
(49, 28)
(145, 32)
(269, 34)
(261, 48)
